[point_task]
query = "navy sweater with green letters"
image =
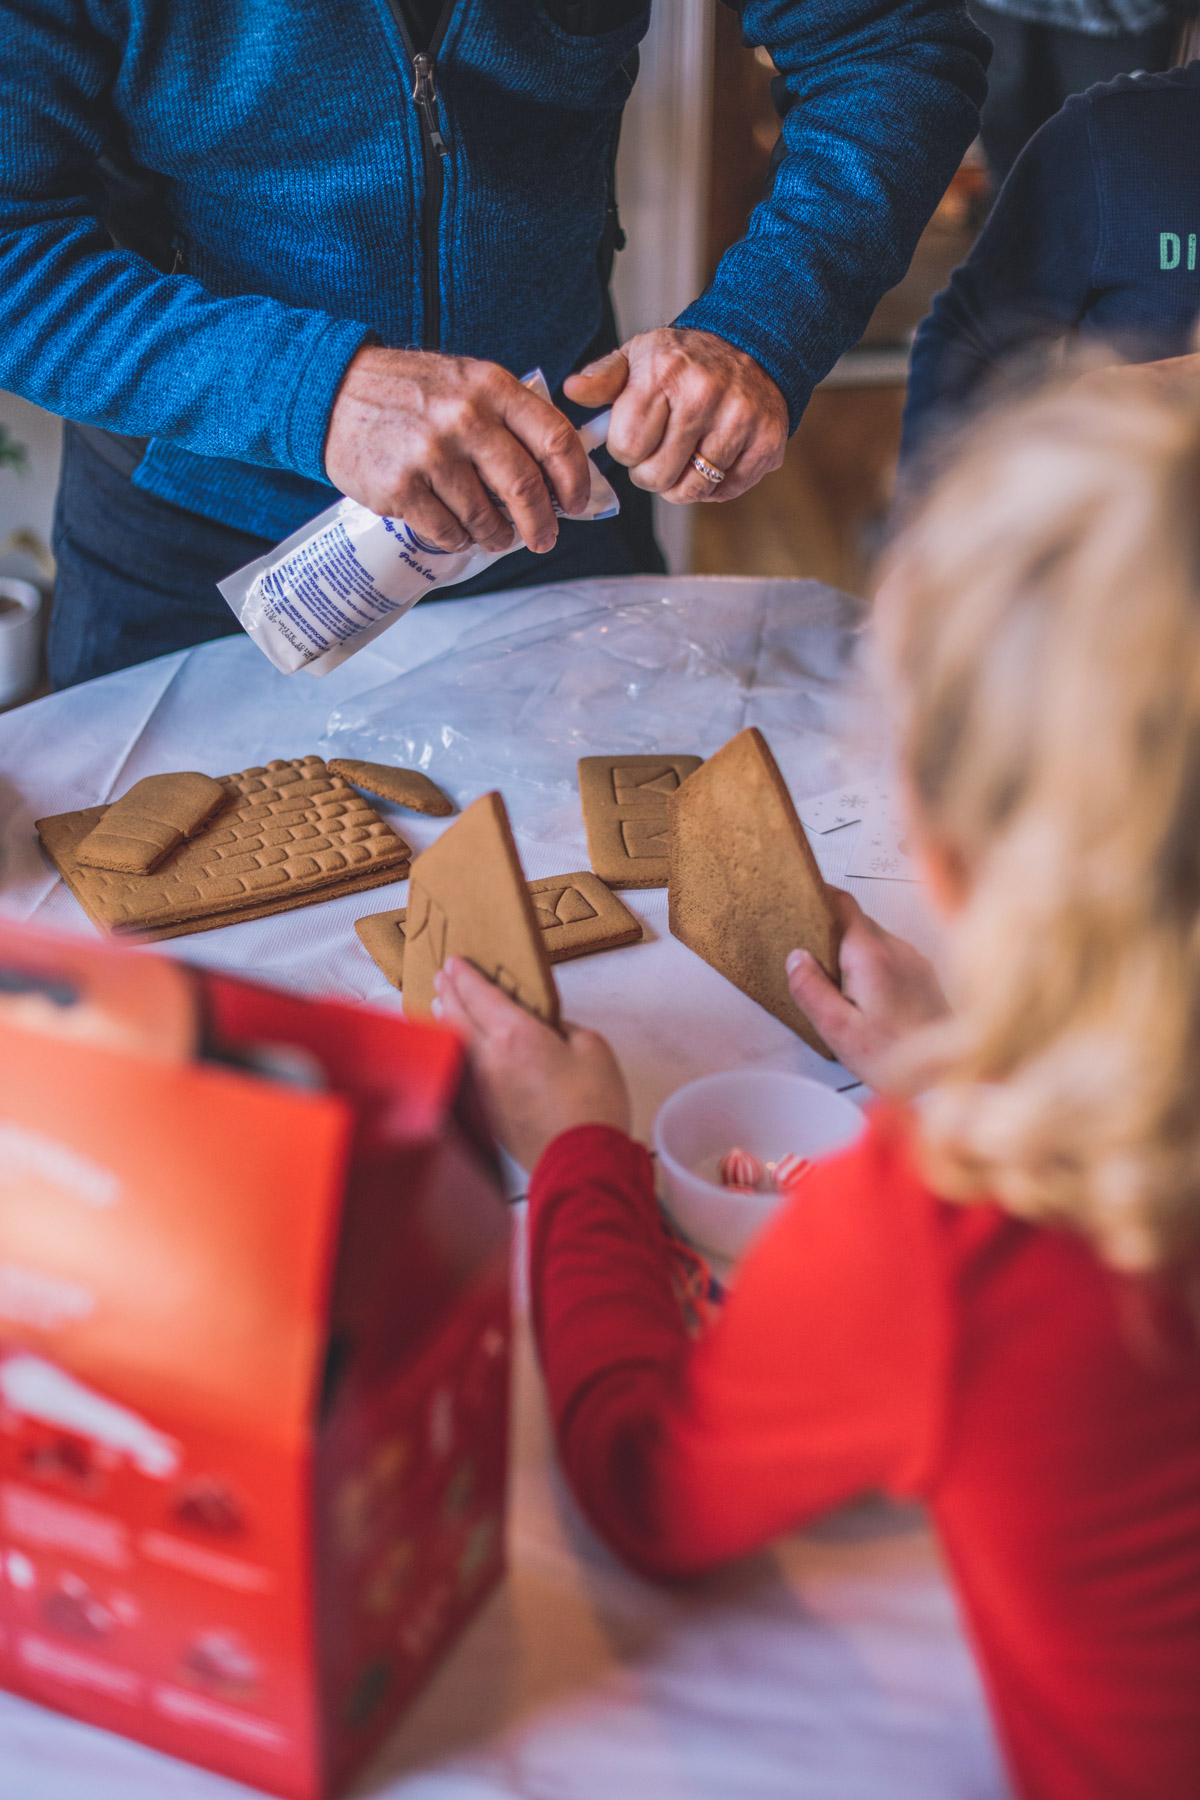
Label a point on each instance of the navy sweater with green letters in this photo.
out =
(1094, 233)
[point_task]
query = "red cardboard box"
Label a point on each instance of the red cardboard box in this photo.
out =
(253, 1360)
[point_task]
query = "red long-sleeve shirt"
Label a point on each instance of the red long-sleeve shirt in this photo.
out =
(877, 1338)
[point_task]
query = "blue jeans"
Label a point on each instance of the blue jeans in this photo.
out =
(137, 576)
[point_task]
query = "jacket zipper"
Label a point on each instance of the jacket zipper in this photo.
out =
(435, 154)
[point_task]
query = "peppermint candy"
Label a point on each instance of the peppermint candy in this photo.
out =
(741, 1169)
(789, 1170)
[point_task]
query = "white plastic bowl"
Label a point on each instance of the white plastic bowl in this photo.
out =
(20, 639)
(767, 1111)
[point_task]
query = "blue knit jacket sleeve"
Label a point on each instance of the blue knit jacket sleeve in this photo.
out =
(173, 351)
(885, 97)
(1026, 282)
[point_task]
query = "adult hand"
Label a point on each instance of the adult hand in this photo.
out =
(675, 394)
(424, 437)
(888, 991)
(536, 1084)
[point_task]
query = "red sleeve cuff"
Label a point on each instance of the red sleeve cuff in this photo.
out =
(586, 1152)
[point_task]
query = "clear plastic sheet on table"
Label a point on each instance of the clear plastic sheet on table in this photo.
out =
(600, 666)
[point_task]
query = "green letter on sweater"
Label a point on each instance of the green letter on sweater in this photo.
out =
(1168, 250)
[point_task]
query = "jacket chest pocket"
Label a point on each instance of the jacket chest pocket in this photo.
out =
(577, 68)
(595, 18)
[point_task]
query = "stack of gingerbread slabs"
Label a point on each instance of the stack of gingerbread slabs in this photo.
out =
(285, 836)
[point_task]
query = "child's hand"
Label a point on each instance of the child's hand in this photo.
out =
(888, 990)
(536, 1083)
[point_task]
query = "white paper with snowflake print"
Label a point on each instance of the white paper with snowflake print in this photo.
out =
(841, 806)
(882, 850)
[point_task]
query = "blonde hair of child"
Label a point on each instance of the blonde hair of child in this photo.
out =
(1039, 623)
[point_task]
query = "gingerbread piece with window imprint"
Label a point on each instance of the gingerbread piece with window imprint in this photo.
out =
(625, 801)
(578, 915)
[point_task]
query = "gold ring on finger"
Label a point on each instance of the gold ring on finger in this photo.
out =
(709, 470)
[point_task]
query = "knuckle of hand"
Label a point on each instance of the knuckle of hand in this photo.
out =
(486, 376)
(491, 533)
(699, 381)
(560, 438)
(477, 512)
(675, 370)
(497, 387)
(481, 521)
(402, 493)
(527, 485)
(462, 416)
(692, 413)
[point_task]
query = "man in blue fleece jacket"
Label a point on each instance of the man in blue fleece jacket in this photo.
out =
(377, 215)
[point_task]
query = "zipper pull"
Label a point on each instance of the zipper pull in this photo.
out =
(426, 97)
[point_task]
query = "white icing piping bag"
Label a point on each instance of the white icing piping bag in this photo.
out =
(595, 432)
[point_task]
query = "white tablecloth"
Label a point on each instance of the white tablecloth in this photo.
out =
(832, 1667)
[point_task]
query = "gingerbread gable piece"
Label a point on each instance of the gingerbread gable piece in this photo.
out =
(744, 887)
(467, 897)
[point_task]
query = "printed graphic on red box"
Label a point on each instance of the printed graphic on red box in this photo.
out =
(253, 1374)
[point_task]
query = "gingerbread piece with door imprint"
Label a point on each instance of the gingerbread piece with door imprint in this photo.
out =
(625, 801)
(467, 897)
